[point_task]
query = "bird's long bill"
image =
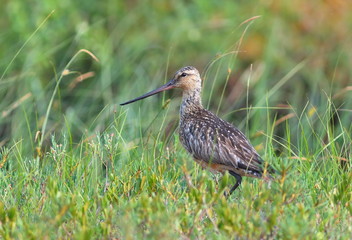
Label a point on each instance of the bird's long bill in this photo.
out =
(164, 87)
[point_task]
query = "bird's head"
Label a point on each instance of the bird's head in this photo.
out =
(186, 78)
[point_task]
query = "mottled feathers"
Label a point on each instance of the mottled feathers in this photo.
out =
(216, 142)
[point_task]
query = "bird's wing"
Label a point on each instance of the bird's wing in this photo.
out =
(238, 149)
(217, 141)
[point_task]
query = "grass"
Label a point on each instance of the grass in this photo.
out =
(75, 165)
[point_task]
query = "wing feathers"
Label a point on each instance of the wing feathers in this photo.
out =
(214, 140)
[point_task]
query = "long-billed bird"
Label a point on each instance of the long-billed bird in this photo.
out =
(214, 143)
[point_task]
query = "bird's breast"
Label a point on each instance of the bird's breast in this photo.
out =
(198, 139)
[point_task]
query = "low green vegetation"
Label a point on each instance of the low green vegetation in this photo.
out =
(76, 165)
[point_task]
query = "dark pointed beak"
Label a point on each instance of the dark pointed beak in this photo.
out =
(164, 87)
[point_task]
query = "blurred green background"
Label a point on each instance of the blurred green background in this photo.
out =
(142, 43)
(74, 164)
(295, 53)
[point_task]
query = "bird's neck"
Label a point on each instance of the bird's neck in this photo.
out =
(191, 100)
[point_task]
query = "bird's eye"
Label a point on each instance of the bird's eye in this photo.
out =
(183, 74)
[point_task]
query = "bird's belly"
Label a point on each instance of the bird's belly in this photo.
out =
(213, 167)
(216, 168)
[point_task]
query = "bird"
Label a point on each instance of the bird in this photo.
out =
(214, 143)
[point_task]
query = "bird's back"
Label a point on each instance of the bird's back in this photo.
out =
(219, 144)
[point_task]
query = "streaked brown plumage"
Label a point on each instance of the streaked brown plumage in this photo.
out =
(213, 142)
